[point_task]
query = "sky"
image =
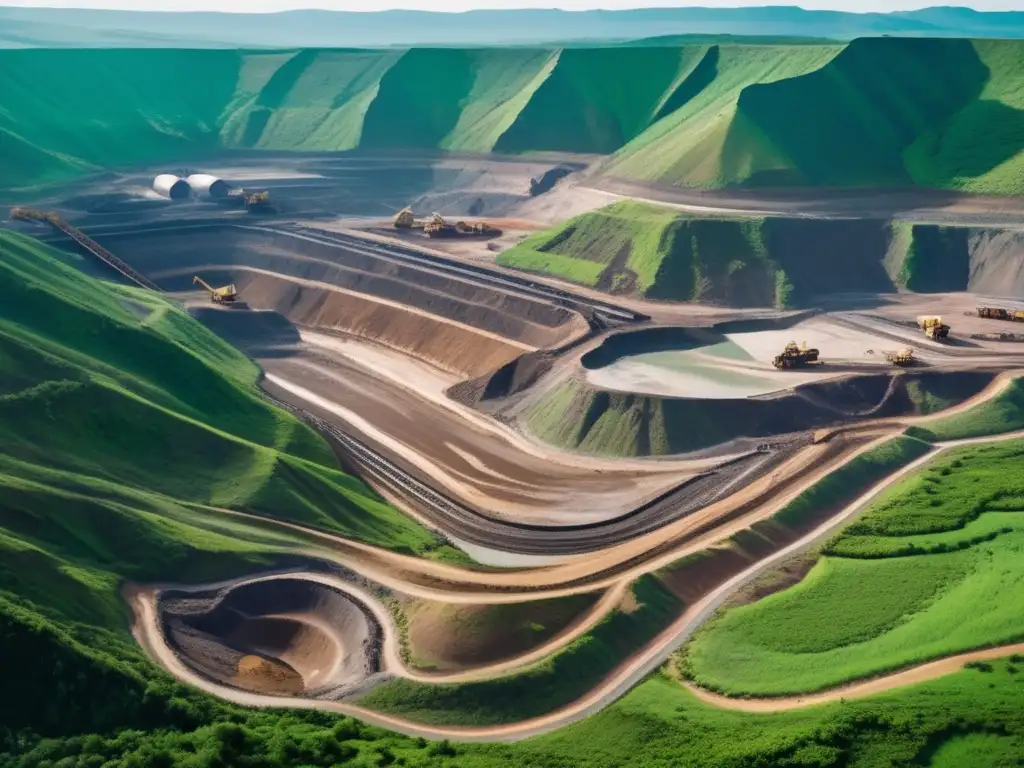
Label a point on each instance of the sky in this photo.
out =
(266, 6)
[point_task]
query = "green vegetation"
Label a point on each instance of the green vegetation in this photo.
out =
(656, 252)
(694, 576)
(123, 424)
(846, 483)
(878, 111)
(976, 749)
(932, 569)
(113, 387)
(1002, 414)
(873, 113)
(556, 682)
(661, 253)
(78, 691)
(577, 415)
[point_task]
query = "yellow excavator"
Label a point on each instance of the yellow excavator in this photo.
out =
(224, 295)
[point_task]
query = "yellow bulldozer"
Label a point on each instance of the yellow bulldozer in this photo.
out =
(933, 327)
(795, 357)
(224, 295)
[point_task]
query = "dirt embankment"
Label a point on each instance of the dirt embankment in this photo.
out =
(460, 326)
(455, 637)
(578, 416)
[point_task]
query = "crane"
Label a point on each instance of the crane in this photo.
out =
(225, 295)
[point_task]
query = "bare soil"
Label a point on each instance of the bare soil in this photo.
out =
(276, 636)
(457, 325)
(447, 637)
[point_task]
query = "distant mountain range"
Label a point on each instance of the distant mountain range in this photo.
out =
(53, 27)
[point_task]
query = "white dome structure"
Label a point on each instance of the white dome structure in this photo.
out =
(206, 186)
(171, 186)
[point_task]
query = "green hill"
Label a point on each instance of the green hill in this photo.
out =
(118, 404)
(631, 247)
(930, 570)
(878, 111)
(661, 253)
(580, 416)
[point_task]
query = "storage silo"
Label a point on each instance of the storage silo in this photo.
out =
(206, 186)
(174, 187)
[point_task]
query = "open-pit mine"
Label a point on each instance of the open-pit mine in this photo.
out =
(571, 440)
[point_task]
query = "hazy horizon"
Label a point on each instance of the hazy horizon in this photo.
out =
(271, 6)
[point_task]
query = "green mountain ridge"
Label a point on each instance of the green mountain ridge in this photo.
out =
(661, 253)
(876, 112)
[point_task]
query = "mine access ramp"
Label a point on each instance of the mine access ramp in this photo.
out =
(86, 242)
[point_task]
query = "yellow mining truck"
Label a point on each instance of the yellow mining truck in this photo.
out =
(933, 327)
(997, 313)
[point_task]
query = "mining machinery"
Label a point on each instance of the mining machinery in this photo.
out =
(902, 357)
(224, 295)
(998, 313)
(795, 357)
(436, 226)
(257, 201)
(87, 243)
(254, 202)
(933, 327)
(405, 219)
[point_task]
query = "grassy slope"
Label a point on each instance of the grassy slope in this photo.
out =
(115, 386)
(579, 416)
(932, 569)
(140, 717)
(900, 111)
(689, 146)
(121, 419)
(595, 100)
(656, 252)
(71, 111)
(879, 111)
(1004, 413)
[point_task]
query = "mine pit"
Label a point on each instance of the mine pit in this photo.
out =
(275, 635)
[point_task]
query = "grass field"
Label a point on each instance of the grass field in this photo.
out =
(931, 569)
(874, 112)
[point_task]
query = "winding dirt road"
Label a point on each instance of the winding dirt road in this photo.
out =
(917, 674)
(147, 629)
